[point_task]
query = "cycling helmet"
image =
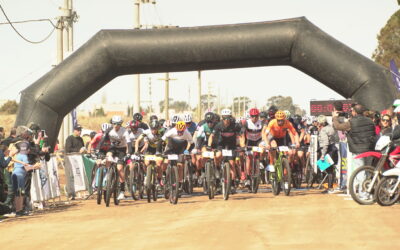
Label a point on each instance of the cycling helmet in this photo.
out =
(134, 124)
(272, 110)
(105, 126)
(226, 112)
(287, 113)
(209, 117)
(297, 119)
(280, 115)
(137, 117)
(153, 117)
(175, 119)
(254, 111)
(187, 118)
(208, 114)
(92, 134)
(264, 114)
(116, 119)
(154, 124)
(321, 119)
(180, 126)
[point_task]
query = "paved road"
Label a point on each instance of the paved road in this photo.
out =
(304, 220)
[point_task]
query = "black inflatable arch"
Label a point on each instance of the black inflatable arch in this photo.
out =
(111, 53)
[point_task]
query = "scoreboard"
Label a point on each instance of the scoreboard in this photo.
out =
(326, 107)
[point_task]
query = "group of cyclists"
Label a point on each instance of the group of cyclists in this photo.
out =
(266, 130)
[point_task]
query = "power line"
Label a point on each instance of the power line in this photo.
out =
(34, 20)
(29, 41)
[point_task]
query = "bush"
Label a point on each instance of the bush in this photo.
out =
(10, 107)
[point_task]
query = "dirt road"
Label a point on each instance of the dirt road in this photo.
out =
(305, 220)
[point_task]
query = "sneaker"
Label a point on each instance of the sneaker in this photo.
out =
(10, 215)
(335, 191)
(247, 183)
(22, 213)
(121, 196)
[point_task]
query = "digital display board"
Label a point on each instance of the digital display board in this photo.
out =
(326, 107)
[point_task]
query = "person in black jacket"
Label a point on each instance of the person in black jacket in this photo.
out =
(361, 135)
(74, 142)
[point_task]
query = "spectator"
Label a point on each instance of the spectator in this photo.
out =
(385, 125)
(13, 135)
(5, 158)
(360, 133)
(74, 142)
(327, 139)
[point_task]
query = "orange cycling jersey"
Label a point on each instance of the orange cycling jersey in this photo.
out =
(280, 131)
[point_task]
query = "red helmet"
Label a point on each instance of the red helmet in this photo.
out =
(254, 111)
(134, 124)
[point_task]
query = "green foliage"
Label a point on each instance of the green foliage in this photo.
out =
(10, 107)
(389, 42)
(178, 106)
(285, 103)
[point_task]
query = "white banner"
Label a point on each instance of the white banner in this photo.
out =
(45, 181)
(313, 151)
(75, 173)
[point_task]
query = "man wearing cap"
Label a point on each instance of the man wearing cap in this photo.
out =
(74, 142)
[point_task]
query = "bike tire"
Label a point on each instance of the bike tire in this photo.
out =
(188, 177)
(255, 176)
(166, 183)
(286, 176)
(110, 185)
(226, 180)
(174, 185)
(149, 180)
(353, 185)
(117, 188)
(309, 176)
(140, 182)
(382, 196)
(100, 184)
(209, 179)
(132, 181)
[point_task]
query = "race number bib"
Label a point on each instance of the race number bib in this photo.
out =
(208, 154)
(150, 157)
(283, 148)
(257, 149)
(173, 157)
(226, 152)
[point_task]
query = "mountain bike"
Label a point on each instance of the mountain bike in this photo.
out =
(188, 171)
(112, 183)
(210, 181)
(151, 178)
(135, 181)
(280, 172)
(225, 176)
(255, 167)
(172, 179)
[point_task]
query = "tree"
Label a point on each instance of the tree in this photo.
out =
(99, 112)
(285, 103)
(389, 42)
(161, 104)
(180, 106)
(10, 107)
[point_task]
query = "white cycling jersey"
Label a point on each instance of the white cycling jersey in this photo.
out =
(253, 130)
(132, 137)
(118, 138)
(172, 134)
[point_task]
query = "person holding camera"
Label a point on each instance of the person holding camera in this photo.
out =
(360, 131)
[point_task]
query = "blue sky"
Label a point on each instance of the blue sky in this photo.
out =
(355, 23)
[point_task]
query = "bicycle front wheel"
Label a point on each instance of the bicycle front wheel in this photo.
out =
(286, 176)
(149, 182)
(226, 180)
(174, 185)
(100, 175)
(255, 176)
(210, 180)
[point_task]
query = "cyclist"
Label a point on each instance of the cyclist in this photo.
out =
(118, 148)
(139, 117)
(202, 135)
(275, 134)
(205, 117)
(97, 138)
(131, 138)
(190, 125)
(153, 117)
(226, 134)
(174, 120)
(252, 132)
(152, 144)
(179, 141)
(264, 118)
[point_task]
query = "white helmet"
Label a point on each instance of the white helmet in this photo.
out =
(287, 113)
(187, 118)
(116, 119)
(175, 119)
(105, 126)
(226, 112)
(396, 103)
(167, 124)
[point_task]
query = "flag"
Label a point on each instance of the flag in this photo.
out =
(395, 74)
(74, 118)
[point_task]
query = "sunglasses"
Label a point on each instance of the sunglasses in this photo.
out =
(254, 116)
(280, 120)
(385, 120)
(225, 118)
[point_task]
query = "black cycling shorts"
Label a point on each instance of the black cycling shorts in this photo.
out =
(120, 153)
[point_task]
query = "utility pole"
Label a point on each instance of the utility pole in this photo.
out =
(199, 96)
(65, 46)
(166, 97)
(136, 78)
